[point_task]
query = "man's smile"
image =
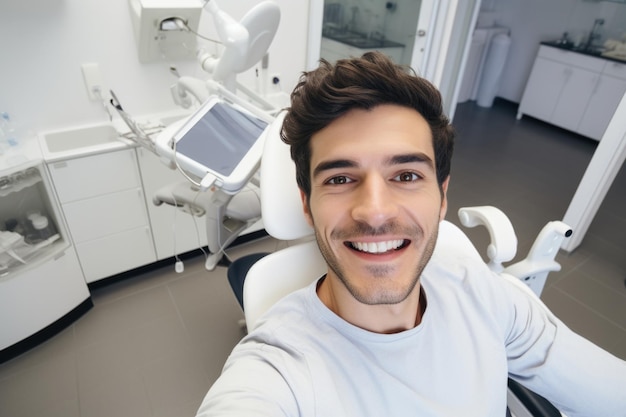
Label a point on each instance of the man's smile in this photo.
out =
(380, 247)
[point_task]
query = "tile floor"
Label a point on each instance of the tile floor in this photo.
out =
(153, 344)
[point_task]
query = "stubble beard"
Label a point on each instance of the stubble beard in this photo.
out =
(383, 296)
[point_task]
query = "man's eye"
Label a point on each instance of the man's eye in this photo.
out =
(341, 179)
(407, 177)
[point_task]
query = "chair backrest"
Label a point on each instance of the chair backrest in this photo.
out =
(281, 206)
(278, 274)
(287, 270)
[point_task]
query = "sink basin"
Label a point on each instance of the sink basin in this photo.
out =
(77, 141)
(84, 140)
(80, 138)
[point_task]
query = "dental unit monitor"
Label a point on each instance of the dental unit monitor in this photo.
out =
(220, 144)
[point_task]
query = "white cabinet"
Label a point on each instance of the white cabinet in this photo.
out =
(174, 231)
(543, 89)
(104, 206)
(573, 91)
(41, 282)
(576, 93)
(37, 298)
(606, 97)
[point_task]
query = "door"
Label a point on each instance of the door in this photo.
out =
(434, 35)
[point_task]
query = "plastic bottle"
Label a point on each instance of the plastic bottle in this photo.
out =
(38, 228)
(8, 136)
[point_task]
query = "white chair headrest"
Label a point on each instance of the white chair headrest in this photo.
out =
(281, 206)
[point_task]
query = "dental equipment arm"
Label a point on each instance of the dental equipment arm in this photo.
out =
(245, 43)
(189, 85)
(236, 40)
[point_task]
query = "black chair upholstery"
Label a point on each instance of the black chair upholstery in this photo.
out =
(535, 403)
(238, 270)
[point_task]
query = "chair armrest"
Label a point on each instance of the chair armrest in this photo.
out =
(503, 246)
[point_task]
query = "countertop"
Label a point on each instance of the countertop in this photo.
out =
(598, 53)
(28, 151)
(360, 41)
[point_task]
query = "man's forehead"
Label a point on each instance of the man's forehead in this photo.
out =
(386, 131)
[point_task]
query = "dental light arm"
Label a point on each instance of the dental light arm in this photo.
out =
(236, 40)
(245, 43)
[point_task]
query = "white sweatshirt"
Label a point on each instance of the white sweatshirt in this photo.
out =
(477, 330)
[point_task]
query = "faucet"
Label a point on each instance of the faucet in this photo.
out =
(594, 34)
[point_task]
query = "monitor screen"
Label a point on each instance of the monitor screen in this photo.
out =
(220, 138)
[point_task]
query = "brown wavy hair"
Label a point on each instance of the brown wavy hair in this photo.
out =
(329, 91)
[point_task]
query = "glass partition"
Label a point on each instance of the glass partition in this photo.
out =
(352, 27)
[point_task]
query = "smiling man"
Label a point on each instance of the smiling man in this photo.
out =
(375, 206)
(399, 325)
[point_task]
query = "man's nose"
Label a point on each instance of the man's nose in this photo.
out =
(374, 202)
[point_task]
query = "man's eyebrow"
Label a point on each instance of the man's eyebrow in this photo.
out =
(410, 158)
(333, 164)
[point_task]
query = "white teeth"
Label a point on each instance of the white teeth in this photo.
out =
(377, 247)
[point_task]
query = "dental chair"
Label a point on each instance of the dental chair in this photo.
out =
(266, 278)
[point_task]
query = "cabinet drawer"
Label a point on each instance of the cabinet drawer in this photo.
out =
(572, 58)
(102, 258)
(94, 175)
(105, 215)
(615, 69)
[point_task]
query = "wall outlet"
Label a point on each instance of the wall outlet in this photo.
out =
(93, 81)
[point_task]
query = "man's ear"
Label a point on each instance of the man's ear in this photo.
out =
(444, 198)
(305, 208)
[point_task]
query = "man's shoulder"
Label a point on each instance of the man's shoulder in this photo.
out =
(291, 312)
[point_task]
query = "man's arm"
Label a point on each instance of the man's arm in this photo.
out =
(249, 387)
(547, 357)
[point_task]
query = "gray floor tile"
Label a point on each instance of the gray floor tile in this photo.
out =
(174, 382)
(51, 383)
(604, 301)
(124, 396)
(583, 320)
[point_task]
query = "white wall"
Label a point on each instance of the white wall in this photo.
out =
(46, 41)
(534, 21)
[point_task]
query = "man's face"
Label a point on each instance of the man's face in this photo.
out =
(375, 203)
